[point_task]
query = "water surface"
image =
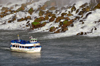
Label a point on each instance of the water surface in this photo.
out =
(67, 51)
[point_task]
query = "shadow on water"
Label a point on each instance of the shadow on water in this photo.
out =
(26, 55)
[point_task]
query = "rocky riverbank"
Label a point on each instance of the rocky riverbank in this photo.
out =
(64, 17)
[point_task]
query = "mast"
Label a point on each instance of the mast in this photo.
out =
(18, 38)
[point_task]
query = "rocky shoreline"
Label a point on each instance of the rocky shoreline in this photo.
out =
(51, 14)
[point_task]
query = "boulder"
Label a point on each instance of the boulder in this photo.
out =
(64, 29)
(9, 21)
(87, 8)
(73, 8)
(2, 13)
(1, 16)
(36, 25)
(77, 10)
(95, 28)
(30, 11)
(72, 25)
(69, 14)
(58, 19)
(81, 13)
(19, 20)
(52, 29)
(63, 14)
(53, 15)
(42, 18)
(41, 13)
(67, 23)
(82, 33)
(84, 10)
(85, 4)
(48, 13)
(20, 9)
(4, 8)
(43, 7)
(28, 17)
(57, 11)
(39, 19)
(23, 5)
(46, 18)
(58, 31)
(52, 8)
(77, 17)
(28, 24)
(51, 19)
(60, 24)
(43, 24)
(67, 18)
(12, 11)
(87, 15)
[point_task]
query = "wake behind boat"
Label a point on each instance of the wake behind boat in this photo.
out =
(25, 46)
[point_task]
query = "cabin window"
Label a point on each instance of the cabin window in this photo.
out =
(29, 47)
(22, 46)
(19, 46)
(13, 45)
(33, 40)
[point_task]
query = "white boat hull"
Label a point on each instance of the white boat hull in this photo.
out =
(26, 50)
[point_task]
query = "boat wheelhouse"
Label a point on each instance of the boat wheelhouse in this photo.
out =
(25, 46)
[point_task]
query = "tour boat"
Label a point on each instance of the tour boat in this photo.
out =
(25, 46)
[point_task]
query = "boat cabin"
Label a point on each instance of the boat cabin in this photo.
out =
(33, 40)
